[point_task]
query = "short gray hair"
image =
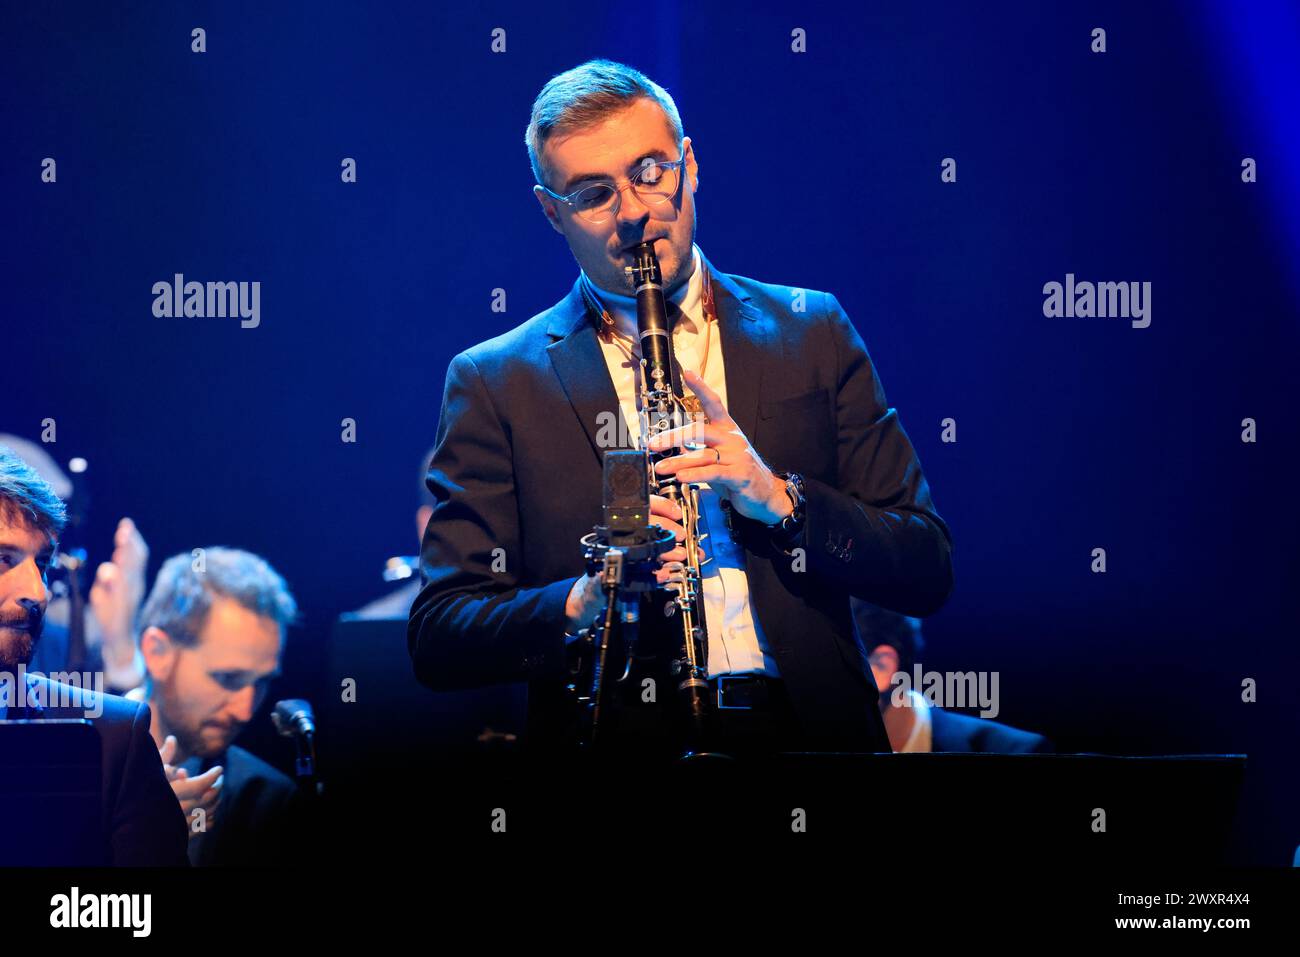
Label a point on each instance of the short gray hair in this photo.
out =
(182, 595)
(586, 95)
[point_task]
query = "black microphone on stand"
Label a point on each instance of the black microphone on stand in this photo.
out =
(623, 552)
(293, 718)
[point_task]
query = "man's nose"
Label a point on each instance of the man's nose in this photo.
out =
(632, 212)
(242, 704)
(31, 586)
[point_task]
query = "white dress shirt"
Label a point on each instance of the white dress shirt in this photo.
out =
(736, 641)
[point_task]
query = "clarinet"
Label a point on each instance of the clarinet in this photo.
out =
(662, 408)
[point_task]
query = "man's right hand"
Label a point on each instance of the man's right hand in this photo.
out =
(586, 597)
(203, 791)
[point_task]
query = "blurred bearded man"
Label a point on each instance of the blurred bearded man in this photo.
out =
(212, 630)
(142, 824)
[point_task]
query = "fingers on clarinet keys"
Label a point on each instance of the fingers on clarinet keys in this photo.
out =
(678, 555)
(659, 505)
(673, 565)
(663, 512)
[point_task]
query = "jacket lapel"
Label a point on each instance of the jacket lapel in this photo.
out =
(747, 339)
(580, 365)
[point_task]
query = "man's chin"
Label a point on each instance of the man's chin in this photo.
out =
(213, 742)
(16, 648)
(670, 269)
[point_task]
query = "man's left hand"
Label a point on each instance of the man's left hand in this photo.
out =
(118, 590)
(115, 599)
(727, 462)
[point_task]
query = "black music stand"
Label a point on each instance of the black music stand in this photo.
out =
(50, 793)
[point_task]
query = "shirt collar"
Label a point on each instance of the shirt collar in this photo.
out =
(687, 298)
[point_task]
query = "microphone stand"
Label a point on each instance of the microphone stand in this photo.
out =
(624, 553)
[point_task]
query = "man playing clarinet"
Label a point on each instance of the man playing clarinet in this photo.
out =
(810, 491)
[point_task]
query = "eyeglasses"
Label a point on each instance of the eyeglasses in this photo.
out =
(654, 183)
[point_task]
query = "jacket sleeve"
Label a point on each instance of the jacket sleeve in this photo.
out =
(472, 623)
(148, 827)
(877, 535)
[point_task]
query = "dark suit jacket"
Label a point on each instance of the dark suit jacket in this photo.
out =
(259, 820)
(950, 731)
(143, 822)
(517, 466)
(53, 650)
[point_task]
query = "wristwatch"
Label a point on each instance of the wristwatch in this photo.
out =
(788, 529)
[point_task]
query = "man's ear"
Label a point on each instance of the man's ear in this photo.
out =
(159, 653)
(692, 167)
(548, 207)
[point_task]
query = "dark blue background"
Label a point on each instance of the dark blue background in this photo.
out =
(819, 170)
